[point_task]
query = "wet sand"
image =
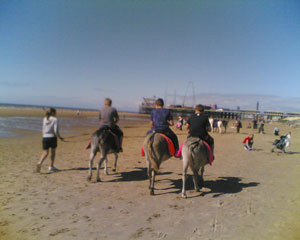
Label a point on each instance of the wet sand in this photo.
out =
(247, 195)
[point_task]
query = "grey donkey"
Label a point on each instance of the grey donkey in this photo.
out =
(156, 151)
(196, 155)
(102, 141)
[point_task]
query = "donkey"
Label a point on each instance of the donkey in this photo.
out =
(220, 124)
(103, 141)
(215, 125)
(156, 151)
(225, 124)
(196, 155)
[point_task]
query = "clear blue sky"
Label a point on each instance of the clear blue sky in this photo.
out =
(75, 53)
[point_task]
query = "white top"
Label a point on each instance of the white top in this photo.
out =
(50, 127)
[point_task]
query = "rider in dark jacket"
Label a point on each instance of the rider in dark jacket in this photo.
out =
(199, 126)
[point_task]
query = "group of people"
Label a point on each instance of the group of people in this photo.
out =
(108, 117)
(160, 121)
(198, 124)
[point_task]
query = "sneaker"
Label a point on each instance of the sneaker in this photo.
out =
(53, 168)
(38, 168)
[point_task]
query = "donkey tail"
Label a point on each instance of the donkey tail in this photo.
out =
(151, 154)
(190, 156)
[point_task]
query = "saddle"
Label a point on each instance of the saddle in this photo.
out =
(106, 132)
(170, 146)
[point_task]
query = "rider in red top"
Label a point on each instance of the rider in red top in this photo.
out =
(248, 142)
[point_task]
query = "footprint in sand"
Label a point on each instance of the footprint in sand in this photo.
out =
(140, 231)
(155, 215)
(175, 206)
(63, 230)
(4, 223)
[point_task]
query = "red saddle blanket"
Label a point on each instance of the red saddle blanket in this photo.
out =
(170, 146)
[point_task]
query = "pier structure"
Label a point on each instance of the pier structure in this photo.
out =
(178, 110)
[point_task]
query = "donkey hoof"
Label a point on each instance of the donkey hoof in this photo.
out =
(89, 178)
(98, 180)
(114, 170)
(151, 192)
(184, 195)
(201, 183)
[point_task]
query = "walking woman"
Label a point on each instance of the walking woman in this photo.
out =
(50, 135)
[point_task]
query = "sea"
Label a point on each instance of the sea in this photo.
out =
(8, 125)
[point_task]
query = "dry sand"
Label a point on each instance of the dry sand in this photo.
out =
(247, 195)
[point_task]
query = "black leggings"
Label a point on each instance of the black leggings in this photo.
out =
(170, 134)
(117, 131)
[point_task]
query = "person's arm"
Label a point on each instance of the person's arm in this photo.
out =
(208, 126)
(151, 124)
(170, 119)
(100, 116)
(116, 116)
(151, 119)
(188, 122)
(56, 130)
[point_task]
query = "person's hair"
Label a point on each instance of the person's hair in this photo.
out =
(50, 112)
(199, 108)
(107, 102)
(159, 102)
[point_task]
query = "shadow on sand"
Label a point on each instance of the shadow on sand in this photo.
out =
(221, 186)
(218, 187)
(292, 153)
(136, 175)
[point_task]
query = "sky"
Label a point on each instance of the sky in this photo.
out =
(74, 53)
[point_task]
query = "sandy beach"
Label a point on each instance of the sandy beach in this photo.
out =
(247, 195)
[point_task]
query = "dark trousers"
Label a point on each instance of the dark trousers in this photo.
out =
(117, 131)
(170, 134)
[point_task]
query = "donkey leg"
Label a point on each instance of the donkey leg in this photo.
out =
(148, 163)
(201, 181)
(184, 172)
(105, 166)
(115, 164)
(195, 179)
(92, 156)
(152, 180)
(103, 158)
